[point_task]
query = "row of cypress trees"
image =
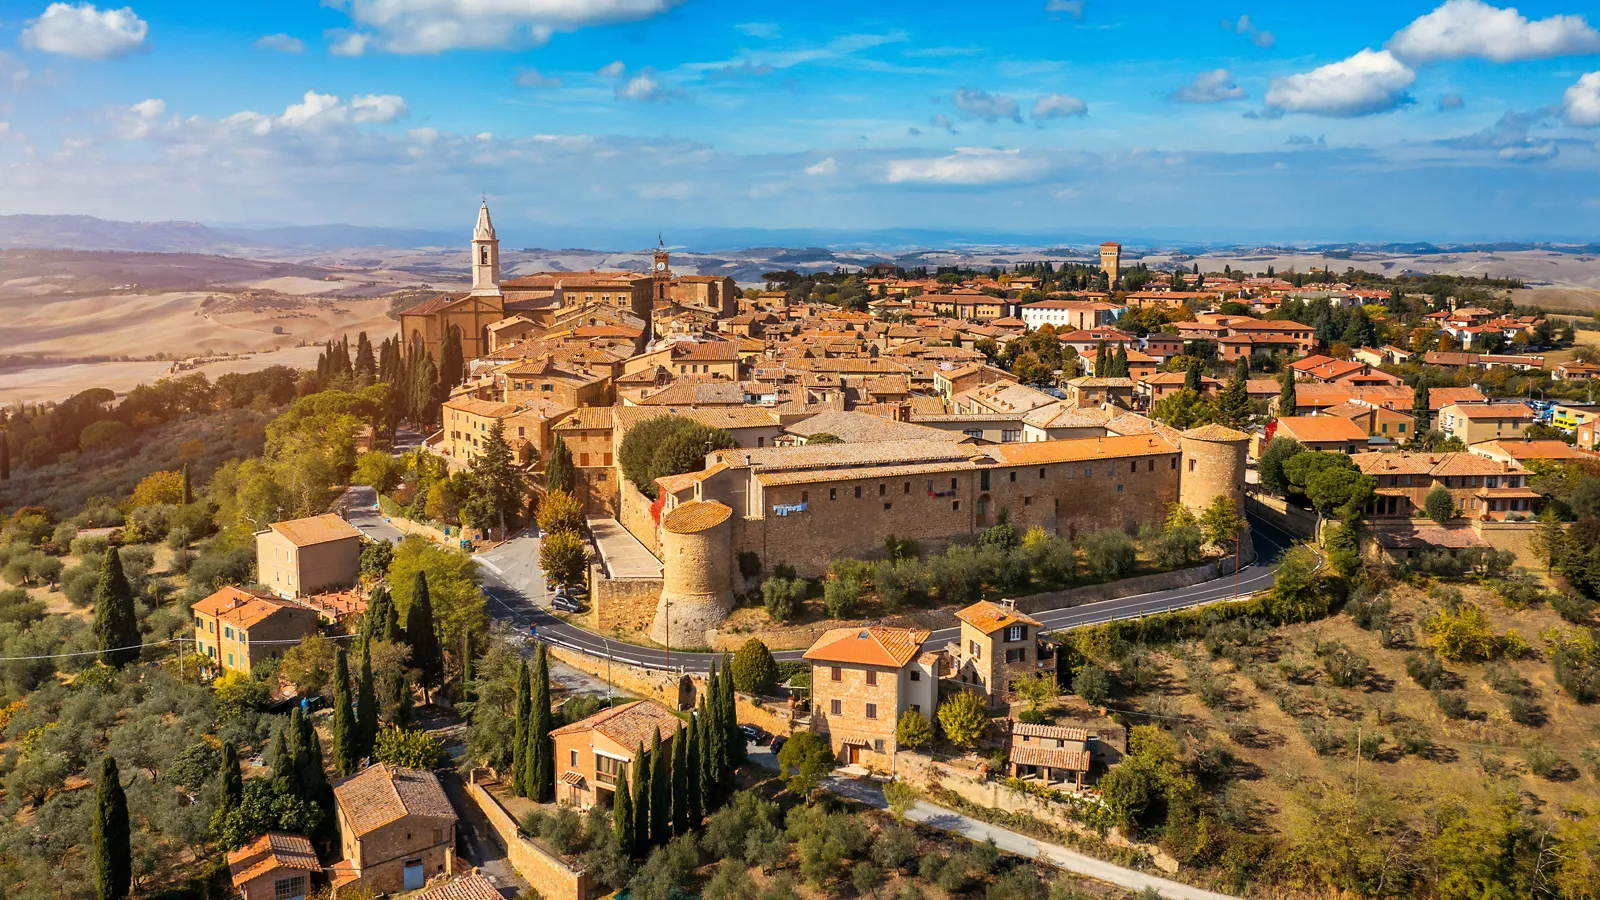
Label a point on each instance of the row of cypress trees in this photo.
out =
(666, 800)
(533, 764)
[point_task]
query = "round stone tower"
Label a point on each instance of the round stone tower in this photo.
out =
(697, 576)
(1213, 464)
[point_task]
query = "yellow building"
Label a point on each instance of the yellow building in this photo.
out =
(237, 629)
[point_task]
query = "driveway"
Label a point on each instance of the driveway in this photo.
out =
(360, 507)
(482, 851)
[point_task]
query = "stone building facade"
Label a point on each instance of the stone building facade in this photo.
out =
(308, 556)
(237, 628)
(697, 592)
(397, 829)
(998, 646)
(862, 680)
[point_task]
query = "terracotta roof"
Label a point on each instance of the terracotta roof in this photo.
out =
(273, 850)
(697, 393)
(859, 427)
(1175, 378)
(1493, 410)
(1040, 452)
(1320, 429)
(1540, 449)
(1071, 760)
(587, 417)
(1050, 732)
(380, 794)
(1216, 433)
(709, 351)
(316, 530)
(492, 409)
(244, 609)
(696, 516)
(991, 617)
(1428, 538)
(1061, 415)
(873, 645)
(1438, 464)
(630, 724)
(470, 887)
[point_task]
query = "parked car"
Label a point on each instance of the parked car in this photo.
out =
(752, 733)
(566, 603)
(778, 742)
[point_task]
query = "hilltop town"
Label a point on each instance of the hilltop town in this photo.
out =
(1168, 581)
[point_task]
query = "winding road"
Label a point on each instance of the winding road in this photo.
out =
(517, 598)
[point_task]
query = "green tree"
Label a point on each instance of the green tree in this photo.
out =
(730, 720)
(366, 705)
(498, 485)
(754, 669)
(680, 781)
(643, 794)
(1439, 505)
(964, 719)
(454, 597)
(1192, 378)
(1233, 404)
(692, 761)
(519, 743)
(116, 628)
(558, 470)
(1297, 594)
(422, 637)
(667, 445)
(563, 557)
(407, 748)
(1221, 522)
(622, 817)
(560, 511)
(1287, 402)
(1119, 363)
(541, 783)
(1100, 361)
(113, 851)
(805, 759)
(1421, 414)
(232, 779)
(913, 730)
(660, 793)
(1278, 452)
(5, 457)
(346, 737)
(1036, 690)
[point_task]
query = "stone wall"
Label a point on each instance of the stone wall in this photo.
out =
(923, 772)
(1514, 536)
(663, 686)
(623, 604)
(1278, 511)
(633, 511)
(771, 716)
(1127, 587)
(553, 878)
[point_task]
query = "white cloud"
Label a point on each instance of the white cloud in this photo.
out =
(1057, 106)
(986, 106)
(1529, 153)
(825, 167)
(1580, 105)
(765, 30)
(968, 165)
(532, 79)
(377, 109)
(434, 26)
(1073, 8)
(612, 69)
(1371, 81)
(140, 120)
(352, 43)
(321, 112)
(642, 86)
(1461, 28)
(13, 73)
(86, 32)
(1209, 87)
(282, 43)
(1258, 36)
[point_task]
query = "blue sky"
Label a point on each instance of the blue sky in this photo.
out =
(1180, 120)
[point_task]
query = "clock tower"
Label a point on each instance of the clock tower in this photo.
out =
(661, 271)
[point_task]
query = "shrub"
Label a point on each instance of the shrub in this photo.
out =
(1093, 684)
(913, 730)
(1524, 711)
(1345, 667)
(964, 719)
(1324, 737)
(1573, 608)
(1368, 612)
(749, 564)
(1411, 738)
(781, 597)
(840, 596)
(410, 749)
(1110, 554)
(1543, 761)
(1452, 703)
(1462, 633)
(754, 669)
(1425, 669)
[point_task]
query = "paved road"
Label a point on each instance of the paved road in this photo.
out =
(482, 850)
(360, 506)
(870, 793)
(1270, 542)
(513, 580)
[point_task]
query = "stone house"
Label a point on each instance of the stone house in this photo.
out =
(237, 628)
(308, 556)
(862, 680)
(588, 434)
(1480, 487)
(275, 866)
(468, 421)
(1475, 423)
(593, 754)
(1051, 753)
(997, 646)
(1089, 391)
(397, 829)
(468, 887)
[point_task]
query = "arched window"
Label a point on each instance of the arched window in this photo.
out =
(483, 255)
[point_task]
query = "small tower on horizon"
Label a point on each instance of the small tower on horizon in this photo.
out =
(662, 270)
(485, 255)
(1111, 261)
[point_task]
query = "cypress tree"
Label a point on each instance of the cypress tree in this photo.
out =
(1286, 398)
(346, 733)
(622, 814)
(380, 622)
(282, 758)
(1119, 363)
(705, 765)
(403, 701)
(660, 794)
(115, 626)
(730, 718)
(188, 486)
(1100, 360)
(1420, 416)
(641, 802)
(558, 472)
(232, 778)
(467, 675)
(425, 653)
(691, 773)
(680, 781)
(366, 705)
(113, 851)
(519, 741)
(5, 457)
(541, 778)
(1191, 378)
(714, 736)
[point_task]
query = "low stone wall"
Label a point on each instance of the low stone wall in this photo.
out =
(633, 511)
(1127, 587)
(1278, 511)
(924, 772)
(420, 529)
(1514, 536)
(771, 716)
(663, 686)
(623, 604)
(553, 878)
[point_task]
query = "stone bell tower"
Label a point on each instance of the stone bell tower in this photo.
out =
(485, 256)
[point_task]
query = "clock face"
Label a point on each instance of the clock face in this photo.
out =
(661, 267)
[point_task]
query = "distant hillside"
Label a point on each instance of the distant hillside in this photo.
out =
(90, 233)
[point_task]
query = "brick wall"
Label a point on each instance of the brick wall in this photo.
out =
(554, 878)
(634, 514)
(623, 604)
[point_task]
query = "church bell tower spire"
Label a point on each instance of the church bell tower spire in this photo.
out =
(485, 255)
